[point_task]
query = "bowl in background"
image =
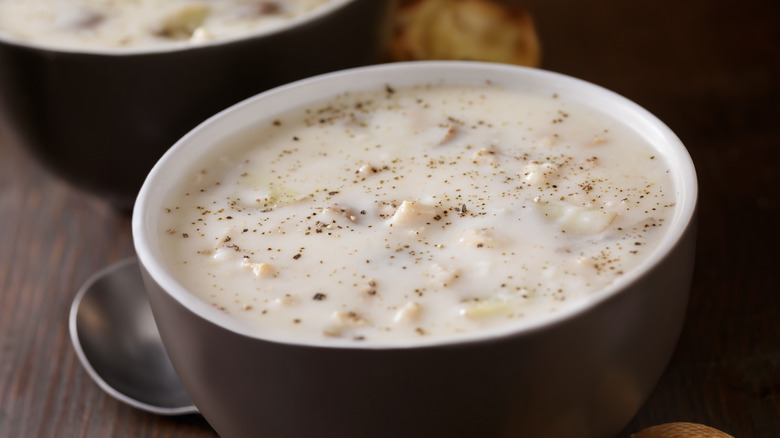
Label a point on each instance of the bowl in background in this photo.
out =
(581, 372)
(100, 118)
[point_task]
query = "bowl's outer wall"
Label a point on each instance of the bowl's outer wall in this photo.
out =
(583, 377)
(102, 121)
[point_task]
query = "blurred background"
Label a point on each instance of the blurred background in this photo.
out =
(708, 69)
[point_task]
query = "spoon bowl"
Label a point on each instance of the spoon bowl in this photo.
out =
(116, 340)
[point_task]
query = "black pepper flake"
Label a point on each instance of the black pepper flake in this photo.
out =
(297, 256)
(185, 235)
(319, 296)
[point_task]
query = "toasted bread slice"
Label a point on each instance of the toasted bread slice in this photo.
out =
(480, 30)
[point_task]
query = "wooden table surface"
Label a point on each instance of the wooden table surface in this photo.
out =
(710, 70)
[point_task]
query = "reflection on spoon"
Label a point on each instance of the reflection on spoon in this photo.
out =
(117, 342)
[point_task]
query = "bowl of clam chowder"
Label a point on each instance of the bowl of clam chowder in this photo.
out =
(421, 249)
(99, 89)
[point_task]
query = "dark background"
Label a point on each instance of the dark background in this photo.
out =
(709, 69)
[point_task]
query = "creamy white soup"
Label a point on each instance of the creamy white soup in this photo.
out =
(416, 213)
(135, 23)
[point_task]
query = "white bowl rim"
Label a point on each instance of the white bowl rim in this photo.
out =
(676, 155)
(179, 46)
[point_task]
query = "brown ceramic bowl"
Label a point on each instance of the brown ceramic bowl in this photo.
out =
(100, 118)
(581, 372)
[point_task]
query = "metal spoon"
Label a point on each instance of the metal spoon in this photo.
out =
(117, 342)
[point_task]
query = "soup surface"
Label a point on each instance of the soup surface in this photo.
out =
(134, 23)
(414, 213)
